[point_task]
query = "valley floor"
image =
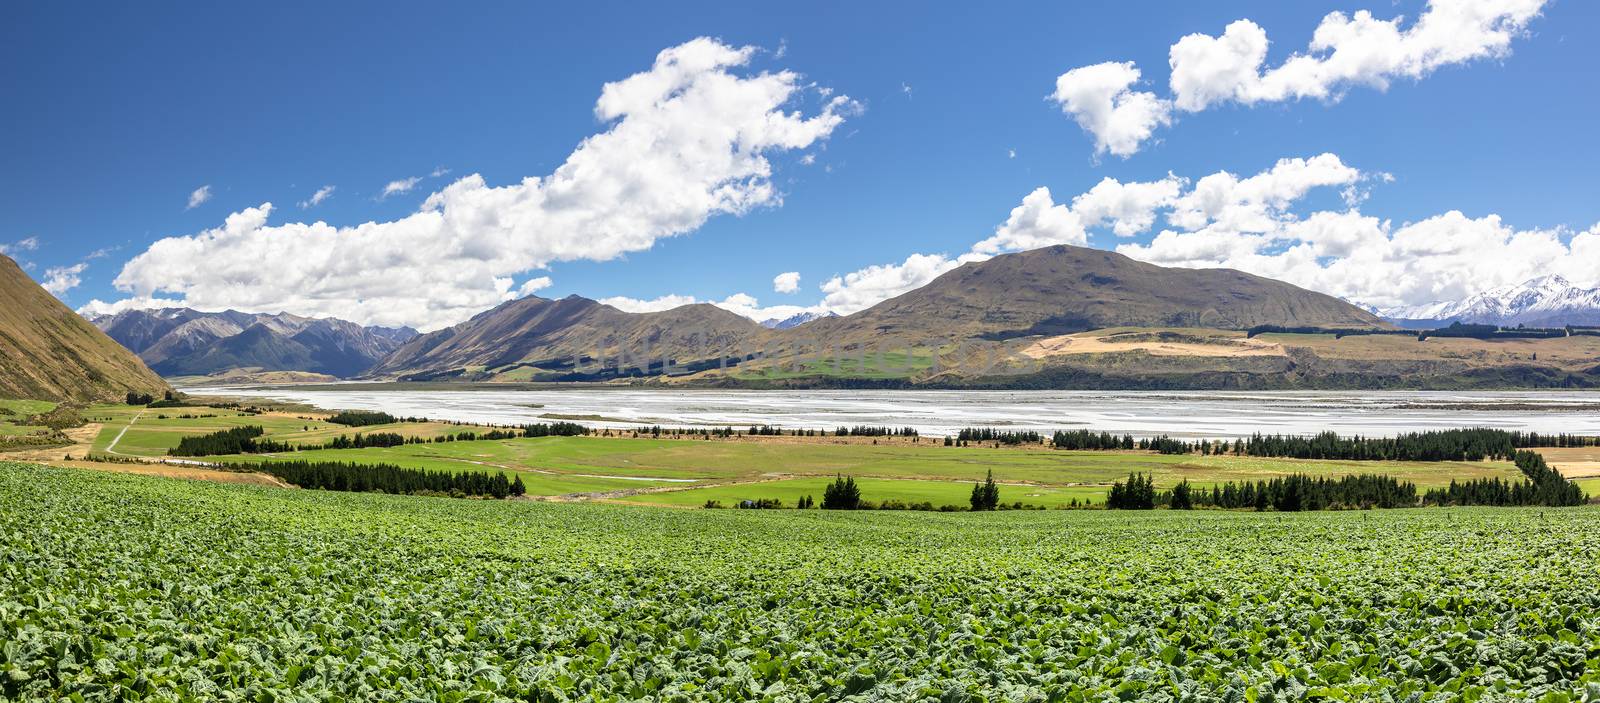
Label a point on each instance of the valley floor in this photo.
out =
(689, 470)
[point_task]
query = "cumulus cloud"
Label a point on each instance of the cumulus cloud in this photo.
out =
(1129, 208)
(533, 285)
(1102, 100)
(1345, 51)
(787, 282)
(738, 303)
(99, 307)
(1037, 222)
(316, 198)
(404, 185)
(861, 289)
(60, 279)
(1260, 223)
(198, 196)
(686, 140)
(1254, 224)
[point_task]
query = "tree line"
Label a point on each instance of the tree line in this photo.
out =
(388, 478)
(1542, 485)
(989, 434)
(1475, 444)
(247, 440)
(1293, 493)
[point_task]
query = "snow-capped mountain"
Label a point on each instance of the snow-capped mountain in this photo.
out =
(1547, 301)
(794, 320)
(185, 342)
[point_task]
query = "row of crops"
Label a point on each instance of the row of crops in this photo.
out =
(117, 587)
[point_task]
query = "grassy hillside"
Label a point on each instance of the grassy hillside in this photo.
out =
(1064, 289)
(48, 352)
(138, 588)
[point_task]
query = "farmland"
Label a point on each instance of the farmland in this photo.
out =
(689, 471)
(139, 588)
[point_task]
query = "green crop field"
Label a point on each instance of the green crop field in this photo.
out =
(117, 587)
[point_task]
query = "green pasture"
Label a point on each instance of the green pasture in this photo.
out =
(876, 490)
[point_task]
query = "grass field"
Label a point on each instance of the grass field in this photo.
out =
(153, 431)
(939, 493)
(688, 472)
(14, 414)
(1590, 486)
(121, 587)
(872, 365)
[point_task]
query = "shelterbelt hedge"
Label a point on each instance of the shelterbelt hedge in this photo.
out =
(117, 587)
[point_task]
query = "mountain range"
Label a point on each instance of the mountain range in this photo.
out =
(1547, 301)
(1056, 317)
(795, 320)
(48, 352)
(1039, 293)
(185, 342)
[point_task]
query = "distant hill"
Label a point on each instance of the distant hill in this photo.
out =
(185, 342)
(538, 338)
(1065, 289)
(1547, 301)
(48, 352)
(1052, 291)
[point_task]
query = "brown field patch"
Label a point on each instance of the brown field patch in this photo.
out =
(195, 473)
(1154, 342)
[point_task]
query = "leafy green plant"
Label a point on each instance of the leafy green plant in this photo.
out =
(123, 587)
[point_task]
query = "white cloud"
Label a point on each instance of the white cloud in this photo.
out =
(1252, 224)
(1037, 222)
(686, 140)
(28, 244)
(439, 171)
(859, 290)
(1345, 51)
(198, 196)
(1129, 208)
(1102, 100)
(100, 307)
(787, 282)
(404, 185)
(739, 303)
(533, 285)
(60, 279)
(1255, 204)
(316, 198)
(665, 302)
(1259, 224)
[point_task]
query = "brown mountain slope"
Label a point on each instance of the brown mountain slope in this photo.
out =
(1063, 289)
(573, 338)
(48, 352)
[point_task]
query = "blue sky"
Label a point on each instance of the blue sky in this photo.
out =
(115, 120)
